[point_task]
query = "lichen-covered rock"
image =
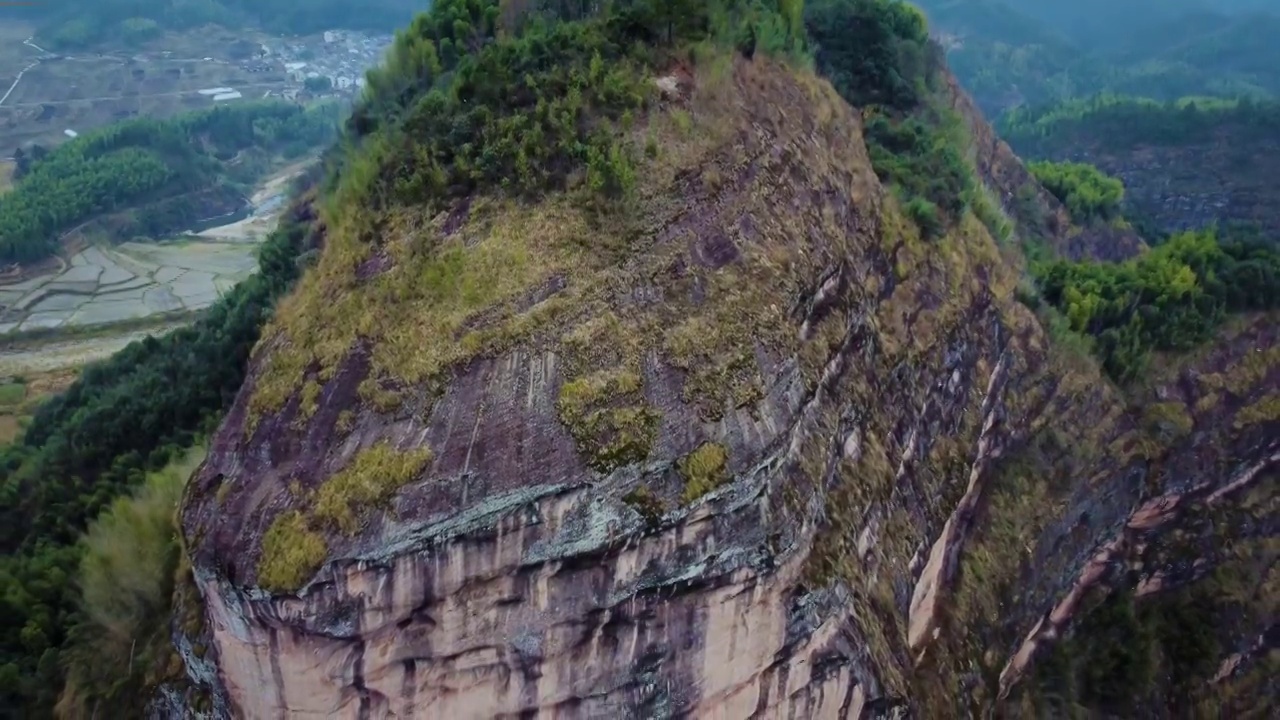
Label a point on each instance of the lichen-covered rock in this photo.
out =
(747, 447)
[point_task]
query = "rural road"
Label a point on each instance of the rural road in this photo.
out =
(57, 355)
(16, 80)
(131, 97)
(24, 70)
(103, 58)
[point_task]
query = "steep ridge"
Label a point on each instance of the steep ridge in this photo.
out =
(1023, 198)
(745, 445)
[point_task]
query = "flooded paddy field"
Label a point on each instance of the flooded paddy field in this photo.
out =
(96, 300)
(130, 281)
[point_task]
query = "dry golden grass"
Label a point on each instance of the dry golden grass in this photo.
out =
(10, 429)
(703, 470)
(446, 300)
(6, 176)
(291, 553)
(372, 477)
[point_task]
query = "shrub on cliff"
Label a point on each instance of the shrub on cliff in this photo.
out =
(1089, 194)
(878, 55)
(120, 639)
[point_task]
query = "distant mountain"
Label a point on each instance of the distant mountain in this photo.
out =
(113, 20)
(1011, 53)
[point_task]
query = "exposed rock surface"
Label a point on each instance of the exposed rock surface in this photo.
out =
(917, 483)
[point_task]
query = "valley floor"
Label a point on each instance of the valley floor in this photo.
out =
(105, 297)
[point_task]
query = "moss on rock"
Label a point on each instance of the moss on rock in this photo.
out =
(703, 470)
(372, 477)
(291, 553)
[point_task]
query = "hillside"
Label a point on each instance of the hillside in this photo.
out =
(1184, 165)
(131, 21)
(760, 378)
(1012, 53)
(150, 177)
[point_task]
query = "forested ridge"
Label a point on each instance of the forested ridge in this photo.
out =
(112, 21)
(1172, 298)
(1118, 122)
(1011, 53)
(141, 161)
(553, 92)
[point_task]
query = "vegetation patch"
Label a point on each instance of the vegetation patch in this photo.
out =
(441, 283)
(1167, 421)
(291, 553)
(577, 396)
(715, 351)
(12, 394)
(647, 504)
(1115, 122)
(1266, 409)
(476, 104)
(120, 648)
(372, 477)
(1171, 298)
(1088, 194)
(703, 470)
(613, 437)
(141, 162)
(95, 440)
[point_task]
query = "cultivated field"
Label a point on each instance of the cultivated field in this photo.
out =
(46, 93)
(107, 296)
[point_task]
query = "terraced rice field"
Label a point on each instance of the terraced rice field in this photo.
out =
(130, 281)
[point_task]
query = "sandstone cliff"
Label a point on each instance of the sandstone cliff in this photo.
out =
(749, 447)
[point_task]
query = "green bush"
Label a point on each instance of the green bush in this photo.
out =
(926, 217)
(1168, 299)
(923, 160)
(1088, 194)
(126, 580)
(461, 107)
(874, 52)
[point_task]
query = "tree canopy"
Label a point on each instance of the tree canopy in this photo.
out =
(1171, 298)
(1089, 194)
(141, 161)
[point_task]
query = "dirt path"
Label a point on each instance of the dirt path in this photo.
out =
(73, 352)
(17, 80)
(132, 97)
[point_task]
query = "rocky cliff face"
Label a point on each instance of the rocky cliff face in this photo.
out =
(747, 447)
(1023, 198)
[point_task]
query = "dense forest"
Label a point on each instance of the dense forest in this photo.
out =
(451, 112)
(113, 21)
(136, 163)
(1087, 193)
(1114, 122)
(1172, 298)
(1010, 53)
(123, 418)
